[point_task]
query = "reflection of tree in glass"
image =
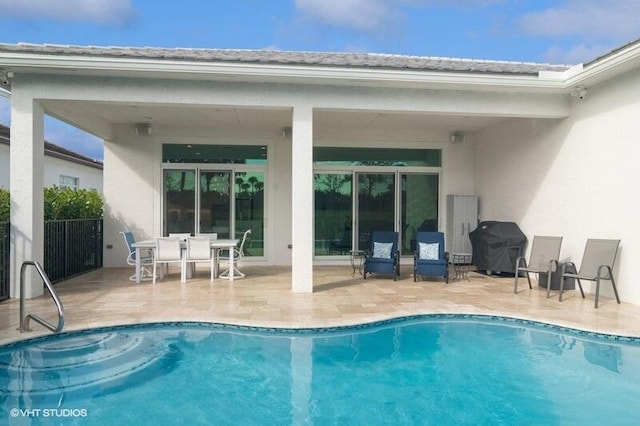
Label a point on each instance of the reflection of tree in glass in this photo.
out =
(215, 182)
(248, 186)
(239, 180)
(375, 185)
(333, 184)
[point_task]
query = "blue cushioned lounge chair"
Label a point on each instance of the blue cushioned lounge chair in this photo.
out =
(430, 258)
(383, 256)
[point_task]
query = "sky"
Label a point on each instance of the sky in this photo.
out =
(560, 32)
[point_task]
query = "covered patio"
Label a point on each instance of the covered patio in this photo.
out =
(522, 137)
(264, 298)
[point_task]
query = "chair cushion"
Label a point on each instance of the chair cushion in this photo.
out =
(429, 251)
(382, 250)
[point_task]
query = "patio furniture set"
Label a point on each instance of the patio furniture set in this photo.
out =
(431, 259)
(185, 251)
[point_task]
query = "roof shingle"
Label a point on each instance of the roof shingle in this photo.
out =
(275, 57)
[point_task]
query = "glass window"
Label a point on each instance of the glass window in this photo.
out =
(249, 197)
(377, 157)
(221, 154)
(179, 201)
(69, 182)
(376, 205)
(419, 207)
(333, 213)
(215, 202)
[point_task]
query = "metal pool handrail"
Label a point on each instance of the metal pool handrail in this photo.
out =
(24, 319)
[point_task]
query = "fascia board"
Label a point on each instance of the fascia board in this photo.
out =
(283, 73)
(608, 67)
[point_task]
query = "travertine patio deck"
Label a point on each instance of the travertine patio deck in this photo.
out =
(106, 297)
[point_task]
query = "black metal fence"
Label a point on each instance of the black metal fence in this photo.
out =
(71, 247)
(4, 260)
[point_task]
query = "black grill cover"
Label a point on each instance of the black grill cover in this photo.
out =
(496, 246)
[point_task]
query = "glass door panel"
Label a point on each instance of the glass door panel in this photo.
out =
(215, 202)
(333, 213)
(376, 205)
(179, 201)
(419, 207)
(249, 210)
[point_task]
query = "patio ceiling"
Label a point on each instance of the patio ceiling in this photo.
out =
(85, 114)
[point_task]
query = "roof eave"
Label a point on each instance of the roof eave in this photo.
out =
(606, 67)
(106, 66)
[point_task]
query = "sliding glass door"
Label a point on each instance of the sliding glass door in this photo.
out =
(179, 201)
(227, 202)
(376, 205)
(249, 209)
(405, 202)
(215, 202)
(418, 207)
(333, 213)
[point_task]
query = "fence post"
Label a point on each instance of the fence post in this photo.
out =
(5, 262)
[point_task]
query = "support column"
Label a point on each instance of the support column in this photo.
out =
(302, 199)
(26, 156)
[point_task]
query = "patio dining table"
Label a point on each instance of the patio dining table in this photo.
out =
(216, 246)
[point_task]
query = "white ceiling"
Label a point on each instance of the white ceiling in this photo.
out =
(83, 114)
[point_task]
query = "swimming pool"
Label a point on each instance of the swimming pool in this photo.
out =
(437, 369)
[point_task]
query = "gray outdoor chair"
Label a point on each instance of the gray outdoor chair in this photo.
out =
(597, 264)
(545, 252)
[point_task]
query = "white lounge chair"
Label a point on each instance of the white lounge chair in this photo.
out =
(199, 250)
(168, 251)
(238, 254)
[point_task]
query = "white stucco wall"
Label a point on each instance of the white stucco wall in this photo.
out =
(131, 169)
(4, 166)
(576, 177)
(90, 178)
(132, 178)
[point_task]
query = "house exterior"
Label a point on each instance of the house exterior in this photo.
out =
(62, 167)
(307, 149)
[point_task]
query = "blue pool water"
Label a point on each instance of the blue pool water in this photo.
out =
(443, 369)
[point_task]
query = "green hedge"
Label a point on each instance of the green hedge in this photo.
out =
(60, 203)
(4, 205)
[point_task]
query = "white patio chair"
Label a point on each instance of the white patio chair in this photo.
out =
(597, 265)
(182, 236)
(238, 255)
(199, 250)
(168, 251)
(545, 252)
(146, 257)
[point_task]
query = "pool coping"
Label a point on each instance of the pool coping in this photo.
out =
(333, 330)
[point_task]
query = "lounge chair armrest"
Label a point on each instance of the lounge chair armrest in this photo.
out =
(564, 268)
(446, 256)
(608, 270)
(553, 265)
